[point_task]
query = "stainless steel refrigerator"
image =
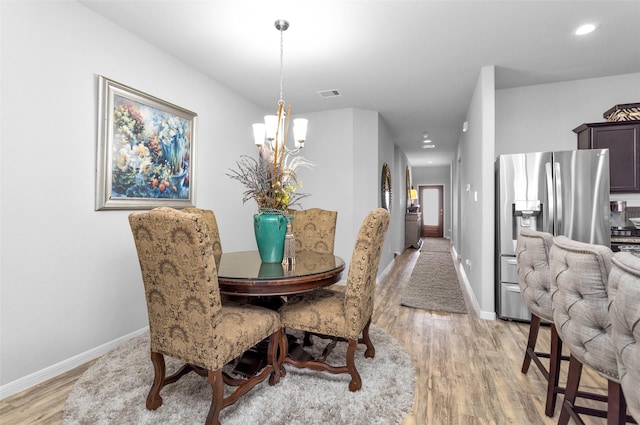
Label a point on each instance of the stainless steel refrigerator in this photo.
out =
(562, 193)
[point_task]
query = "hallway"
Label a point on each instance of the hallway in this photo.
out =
(467, 368)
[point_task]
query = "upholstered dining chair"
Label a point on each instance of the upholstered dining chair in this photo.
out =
(532, 256)
(343, 316)
(579, 288)
(624, 311)
(209, 218)
(315, 230)
(186, 318)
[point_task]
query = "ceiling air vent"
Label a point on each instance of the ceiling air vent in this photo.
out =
(329, 93)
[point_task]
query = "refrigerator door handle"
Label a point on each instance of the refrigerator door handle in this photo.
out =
(558, 216)
(549, 216)
(513, 288)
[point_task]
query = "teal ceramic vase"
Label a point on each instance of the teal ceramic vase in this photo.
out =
(270, 231)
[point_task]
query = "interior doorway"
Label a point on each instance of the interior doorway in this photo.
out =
(431, 201)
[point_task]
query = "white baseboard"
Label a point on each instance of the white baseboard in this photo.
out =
(386, 270)
(52, 371)
(486, 315)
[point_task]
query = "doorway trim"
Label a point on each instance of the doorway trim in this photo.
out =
(432, 231)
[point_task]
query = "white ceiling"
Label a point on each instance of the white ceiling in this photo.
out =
(416, 62)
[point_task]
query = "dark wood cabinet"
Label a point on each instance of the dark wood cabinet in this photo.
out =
(623, 141)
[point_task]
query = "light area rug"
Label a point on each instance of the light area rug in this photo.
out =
(434, 285)
(435, 245)
(114, 390)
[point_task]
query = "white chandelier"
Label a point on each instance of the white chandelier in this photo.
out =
(275, 127)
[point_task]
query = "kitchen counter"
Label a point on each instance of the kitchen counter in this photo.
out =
(625, 239)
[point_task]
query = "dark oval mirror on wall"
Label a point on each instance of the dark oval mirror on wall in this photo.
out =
(385, 187)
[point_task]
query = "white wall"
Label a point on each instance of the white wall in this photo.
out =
(70, 280)
(70, 277)
(541, 118)
(330, 183)
(389, 153)
(474, 237)
(347, 145)
(399, 199)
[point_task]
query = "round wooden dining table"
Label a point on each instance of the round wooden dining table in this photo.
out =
(244, 274)
(244, 277)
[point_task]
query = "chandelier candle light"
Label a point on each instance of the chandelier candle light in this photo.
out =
(275, 127)
(271, 180)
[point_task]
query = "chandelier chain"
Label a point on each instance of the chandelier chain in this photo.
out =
(281, 102)
(275, 128)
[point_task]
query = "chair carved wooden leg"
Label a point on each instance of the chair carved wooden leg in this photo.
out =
(153, 399)
(356, 381)
(217, 397)
(371, 350)
(274, 356)
(282, 353)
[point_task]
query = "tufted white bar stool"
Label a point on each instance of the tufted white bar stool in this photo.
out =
(532, 254)
(579, 285)
(624, 311)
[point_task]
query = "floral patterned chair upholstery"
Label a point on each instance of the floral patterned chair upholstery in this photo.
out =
(186, 318)
(343, 315)
(532, 254)
(315, 230)
(624, 311)
(209, 218)
(579, 288)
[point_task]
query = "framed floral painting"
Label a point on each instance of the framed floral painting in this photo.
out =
(146, 150)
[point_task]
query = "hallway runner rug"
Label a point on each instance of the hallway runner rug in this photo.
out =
(434, 285)
(435, 245)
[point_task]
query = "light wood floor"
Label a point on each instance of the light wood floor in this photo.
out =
(467, 369)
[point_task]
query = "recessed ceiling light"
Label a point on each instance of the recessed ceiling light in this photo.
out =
(428, 146)
(585, 29)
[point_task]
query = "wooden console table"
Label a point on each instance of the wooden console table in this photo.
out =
(412, 230)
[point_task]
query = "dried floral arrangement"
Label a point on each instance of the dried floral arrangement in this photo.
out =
(271, 180)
